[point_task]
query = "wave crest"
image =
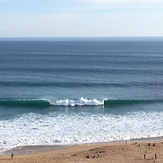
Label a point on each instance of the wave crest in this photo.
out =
(50, 102)
(75, 102)
(78, 102)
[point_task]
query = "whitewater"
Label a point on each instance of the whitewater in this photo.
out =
(58, 128)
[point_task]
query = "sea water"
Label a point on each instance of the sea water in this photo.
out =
(74, 91)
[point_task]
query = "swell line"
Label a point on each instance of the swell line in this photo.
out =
(75, 102)
(77, 84)
(24, 103)
(119, 102)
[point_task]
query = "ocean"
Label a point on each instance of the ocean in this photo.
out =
(75, 91)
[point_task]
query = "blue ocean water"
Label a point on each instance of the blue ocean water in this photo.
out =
(80, 91)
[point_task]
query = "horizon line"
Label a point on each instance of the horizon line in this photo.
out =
(84, 38)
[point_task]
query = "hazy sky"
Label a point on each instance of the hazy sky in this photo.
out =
(66, 18)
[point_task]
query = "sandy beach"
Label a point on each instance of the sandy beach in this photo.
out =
(123, 152)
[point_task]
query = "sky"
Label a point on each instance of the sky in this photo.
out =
(81, 18)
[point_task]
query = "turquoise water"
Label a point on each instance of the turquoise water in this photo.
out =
(80, 91)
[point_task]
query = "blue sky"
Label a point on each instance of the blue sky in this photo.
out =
(80, 18)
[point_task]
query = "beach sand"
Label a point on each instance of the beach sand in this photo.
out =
(123, 152)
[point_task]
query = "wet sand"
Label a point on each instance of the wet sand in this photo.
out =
(135, 151)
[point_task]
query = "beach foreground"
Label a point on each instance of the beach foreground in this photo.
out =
(126, 152)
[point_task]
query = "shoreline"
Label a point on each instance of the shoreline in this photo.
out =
(132, 151)
(32, 149)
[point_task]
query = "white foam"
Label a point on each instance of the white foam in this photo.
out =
(56, 128)
(76, 102)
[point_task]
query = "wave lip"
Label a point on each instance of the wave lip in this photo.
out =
(78, 102)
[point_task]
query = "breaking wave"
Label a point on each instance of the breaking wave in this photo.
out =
(75, 102)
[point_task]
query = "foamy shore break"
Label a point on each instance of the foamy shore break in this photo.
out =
(132, 151)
